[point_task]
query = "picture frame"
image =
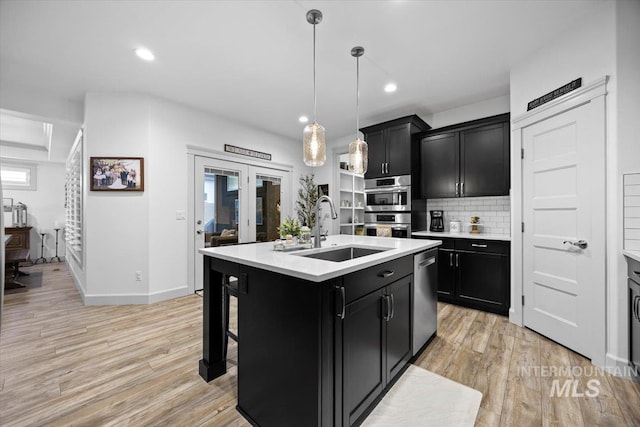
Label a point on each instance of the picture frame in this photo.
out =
(323, 190)
(116, 173)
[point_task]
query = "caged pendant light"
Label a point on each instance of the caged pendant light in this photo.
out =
(313, 136)
(358, 149)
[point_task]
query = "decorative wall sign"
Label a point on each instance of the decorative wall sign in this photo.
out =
(246, 152)
(555, 94)
(116, 173)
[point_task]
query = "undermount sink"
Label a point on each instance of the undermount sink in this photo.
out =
(343, 253)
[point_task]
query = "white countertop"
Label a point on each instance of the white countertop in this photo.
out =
(262, 255)
(632, 254)
(483, 236)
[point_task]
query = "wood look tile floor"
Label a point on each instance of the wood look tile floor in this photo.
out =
(63, 363)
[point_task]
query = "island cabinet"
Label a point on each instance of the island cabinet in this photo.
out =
(475, 273)
(373, 340)
(465, 160)
(312, 353)
(390, 146)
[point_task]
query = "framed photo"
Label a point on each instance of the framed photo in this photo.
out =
(116, 173)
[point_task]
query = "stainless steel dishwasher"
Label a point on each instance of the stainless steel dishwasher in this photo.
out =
(425, 298)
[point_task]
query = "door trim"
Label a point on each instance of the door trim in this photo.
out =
(594, 93)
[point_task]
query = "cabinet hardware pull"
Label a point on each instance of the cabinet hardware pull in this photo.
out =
(457, 192)
(636, 307)
(385, 303)
(475, 245)
(343, 303)
(393, 307)
(461, 189)
(386, 167)
(457, 260)
(382, 168)
(386, 274)
(427, 262)
(637, 273)
(451, 259)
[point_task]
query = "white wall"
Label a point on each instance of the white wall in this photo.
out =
(45, 206)
(129, 232)
(116, 223)
(465, 113)
(588, 50)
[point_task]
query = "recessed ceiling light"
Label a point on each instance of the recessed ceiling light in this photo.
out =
(303, 119)
(144, 53)
(390, 87)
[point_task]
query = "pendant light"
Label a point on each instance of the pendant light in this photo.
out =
(313, 137)
(358, 149)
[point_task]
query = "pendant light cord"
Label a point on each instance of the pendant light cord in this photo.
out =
(357, 96)
(314, 75)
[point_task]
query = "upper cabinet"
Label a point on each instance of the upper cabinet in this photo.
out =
(466, 160)
(390, 146)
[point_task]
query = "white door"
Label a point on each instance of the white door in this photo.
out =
(242, 201)
(564, 235)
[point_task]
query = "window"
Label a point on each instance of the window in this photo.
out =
(18, 176)
(73, 201)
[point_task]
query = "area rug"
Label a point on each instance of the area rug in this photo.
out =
(422, 398)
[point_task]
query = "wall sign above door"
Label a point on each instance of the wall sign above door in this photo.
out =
(555, 94)
(246, 152)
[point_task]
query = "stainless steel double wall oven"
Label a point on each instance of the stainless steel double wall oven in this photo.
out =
(388, 204)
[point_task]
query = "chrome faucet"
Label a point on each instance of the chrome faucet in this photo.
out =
(334, 215)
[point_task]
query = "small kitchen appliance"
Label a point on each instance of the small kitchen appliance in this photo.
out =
(437, 221)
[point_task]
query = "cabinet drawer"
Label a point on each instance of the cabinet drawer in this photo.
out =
(633, 270)
(477, 245)
(362, 282)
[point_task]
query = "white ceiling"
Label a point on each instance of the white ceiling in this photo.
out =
(251, 61)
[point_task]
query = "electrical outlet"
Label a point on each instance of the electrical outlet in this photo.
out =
(138, 276)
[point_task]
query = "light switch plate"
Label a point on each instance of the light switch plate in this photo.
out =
(181, 215)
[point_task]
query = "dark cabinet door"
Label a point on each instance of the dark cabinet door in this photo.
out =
(377, 154)
(482, 279)
(484, 161)
(439, 162)
(634, 326)
(446, 274)
(362, 355)
(398, 139)
(398, 326)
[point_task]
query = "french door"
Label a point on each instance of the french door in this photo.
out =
(236, 203)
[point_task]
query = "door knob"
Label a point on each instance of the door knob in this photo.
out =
(582, 244)
(199, 231)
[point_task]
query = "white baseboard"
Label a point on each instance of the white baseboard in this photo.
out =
(618, 366)
(126, 299)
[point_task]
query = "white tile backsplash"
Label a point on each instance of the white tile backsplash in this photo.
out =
(631, 184)
(494, 212)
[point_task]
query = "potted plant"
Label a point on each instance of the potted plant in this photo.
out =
(289, 227)
(307, 199)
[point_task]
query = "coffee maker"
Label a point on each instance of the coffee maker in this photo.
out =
(437, 221)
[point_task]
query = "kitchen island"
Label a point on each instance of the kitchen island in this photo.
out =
(322, 335)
